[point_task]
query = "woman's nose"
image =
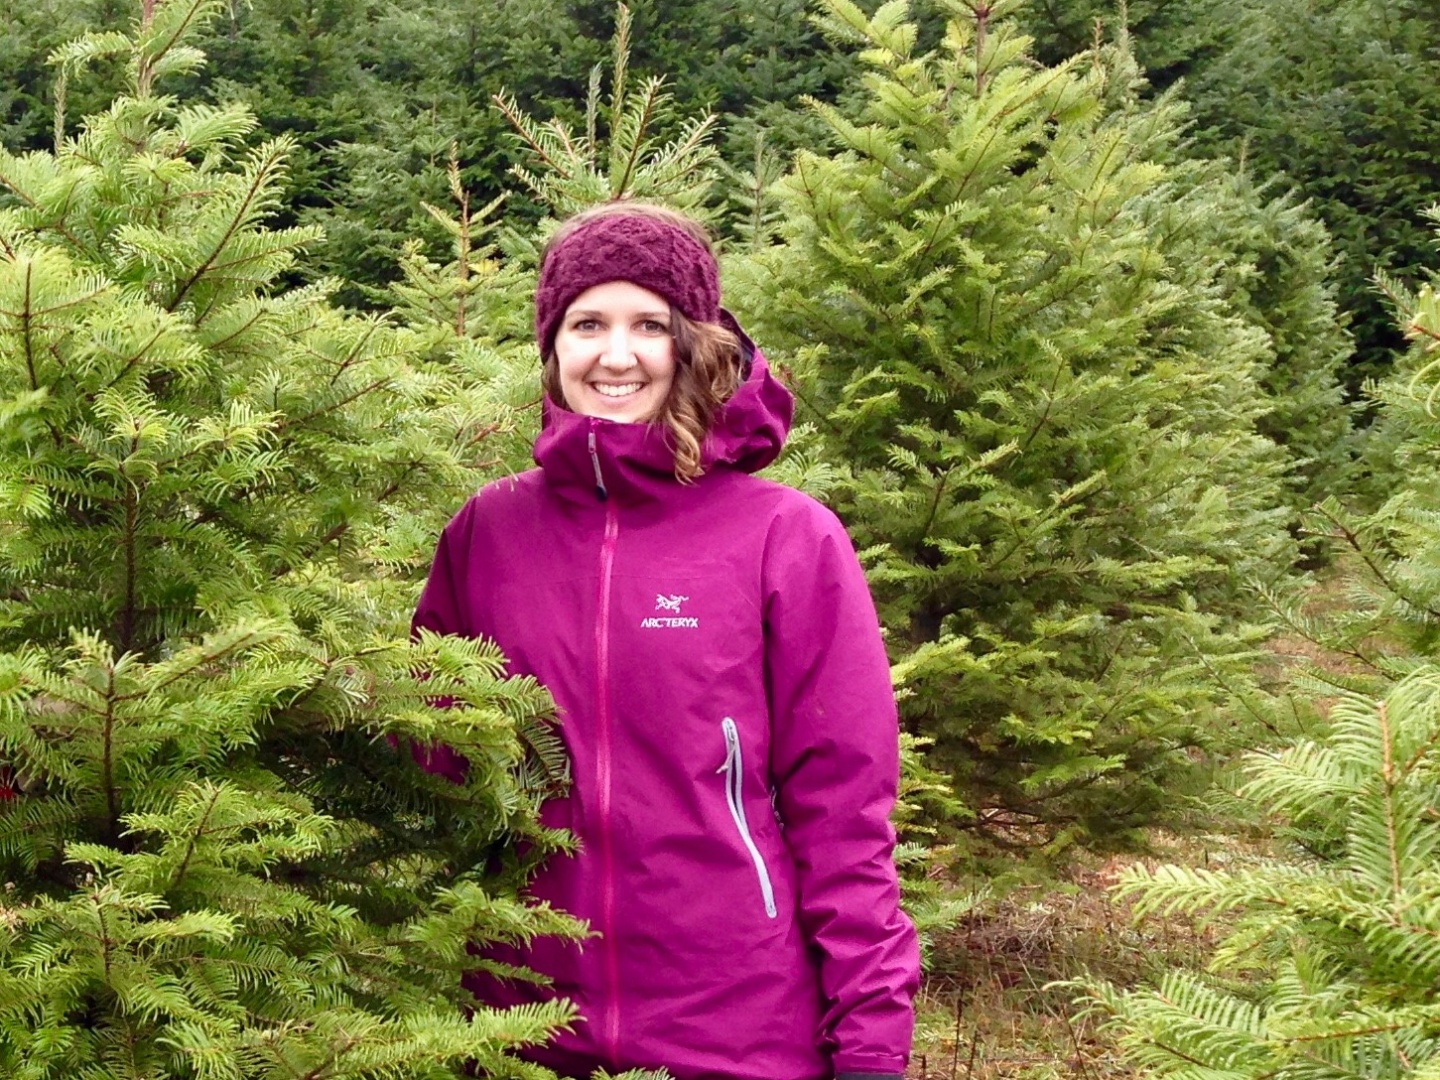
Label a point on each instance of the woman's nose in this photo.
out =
(617, 352)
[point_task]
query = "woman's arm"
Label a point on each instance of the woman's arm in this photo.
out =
(835, 766)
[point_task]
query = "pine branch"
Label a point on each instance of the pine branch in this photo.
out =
(27, 321)
(148, 62)
(259, 181)
(128, 542)
(356, 351)
(300, 421)
(521, 123)
(134, 358)
(642, 123)
(199, 831)
(29, 200)
(1352, 540)
(107, 761)
(1387, 776)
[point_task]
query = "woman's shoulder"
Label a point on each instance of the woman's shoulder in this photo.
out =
(506, 498)
(517, 488)
(788, 510)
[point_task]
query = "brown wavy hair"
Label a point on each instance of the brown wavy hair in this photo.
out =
(708, 367)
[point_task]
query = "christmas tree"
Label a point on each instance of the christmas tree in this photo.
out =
(1024, 361)
(218, 857)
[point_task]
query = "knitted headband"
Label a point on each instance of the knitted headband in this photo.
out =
(653, 254)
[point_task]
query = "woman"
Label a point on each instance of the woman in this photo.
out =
(725, 697)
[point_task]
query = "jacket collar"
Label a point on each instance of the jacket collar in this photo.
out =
(635, 462)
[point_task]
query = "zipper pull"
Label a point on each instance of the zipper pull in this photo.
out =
(732, 743)
(600, 491)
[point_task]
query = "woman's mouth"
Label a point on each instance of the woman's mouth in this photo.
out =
(617, 390)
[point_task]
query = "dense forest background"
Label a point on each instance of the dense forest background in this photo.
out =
(1113, 331)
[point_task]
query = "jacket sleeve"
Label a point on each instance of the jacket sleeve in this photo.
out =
(441, 609)
(835, 766)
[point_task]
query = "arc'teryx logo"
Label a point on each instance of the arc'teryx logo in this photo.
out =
(672, 622)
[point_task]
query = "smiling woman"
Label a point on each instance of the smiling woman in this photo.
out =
(614, 353)
(594, 260)
(711, 645)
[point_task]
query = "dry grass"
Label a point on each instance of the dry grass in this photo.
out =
(991, 1009)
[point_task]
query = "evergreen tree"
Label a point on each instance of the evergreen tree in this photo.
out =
(377, 94)
(219, 859)
(472, 316)
(749, 62)
(620, 153)
(1171, 37)
(1335, 97)
(1277, 274)
(31, 31)
(1020, 355)
(1329, 959)
(1392, 554)
(1341, 99)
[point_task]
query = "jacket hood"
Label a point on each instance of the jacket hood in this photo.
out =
(635, 461)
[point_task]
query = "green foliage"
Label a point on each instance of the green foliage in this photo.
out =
(471, 316)
(625, 159)
(925, 853)
(1025, 348)
(377, 94)
(219, 859)
(1389, 622)
(1170, 36)
(1328, 958)
(1339, 99)
(1342, 99)
(1328, 961)
(748, 61)
(1277, 275)
(32, 30)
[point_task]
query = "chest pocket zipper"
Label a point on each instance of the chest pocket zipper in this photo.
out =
(734, 779)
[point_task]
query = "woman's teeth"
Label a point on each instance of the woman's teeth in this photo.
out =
(621, 390)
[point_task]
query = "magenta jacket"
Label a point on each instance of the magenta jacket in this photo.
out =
(726, 701)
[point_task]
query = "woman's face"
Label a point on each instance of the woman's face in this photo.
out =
(615, 355)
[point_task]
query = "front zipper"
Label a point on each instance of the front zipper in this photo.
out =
(610, 1028)
(601, 492)
(734, 771)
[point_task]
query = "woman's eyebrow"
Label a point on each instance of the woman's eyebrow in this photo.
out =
(595, 314)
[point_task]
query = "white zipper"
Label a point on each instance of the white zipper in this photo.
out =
(734, 773)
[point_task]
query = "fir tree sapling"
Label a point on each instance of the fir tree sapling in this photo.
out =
(471, 316)
(216, 863)
(1391, 555)
(1336, 101)
(1328, 960)
(620, 154)
(1025, 363)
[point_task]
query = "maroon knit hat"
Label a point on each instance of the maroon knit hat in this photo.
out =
(637, 248)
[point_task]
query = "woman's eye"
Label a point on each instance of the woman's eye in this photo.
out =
(584, 325)
(651, 326)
